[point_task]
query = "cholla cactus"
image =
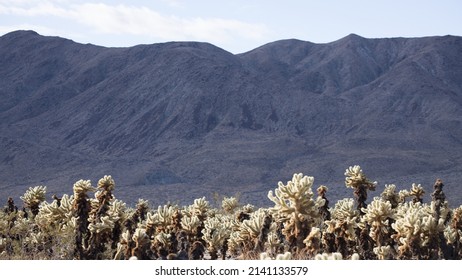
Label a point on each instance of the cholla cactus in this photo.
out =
(417, 192)
(313, 241)
(417, 231)
(341, 228)
(190, 224)
(324, 209)
(229, 204)
(280, 257)
(102, 219)
(137, 216)
(402, 195)
(215, 234)
(3, 245)
(390, 194)
(33, 197)
(357, 180)
(274, 243)
(142, 241)
(378, 215)
(251, 229)
(344, 217)
(160, 245)
(106, 224)
(106, 183)
(81, 207)
(104, 195)
(453, 234)
(82, 187)
(438, 196)
(327, 257)
(4, 223)
(294, 205)
(200, 207)
(79, 227)
(383, 252)
(161, 220)
(55, 214)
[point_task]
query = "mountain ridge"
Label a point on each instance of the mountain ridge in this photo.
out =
(190, 116)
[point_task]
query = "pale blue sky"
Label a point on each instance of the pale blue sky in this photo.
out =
(234, 25)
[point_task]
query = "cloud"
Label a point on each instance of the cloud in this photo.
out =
(122, 19)
(138, 20)
(44, 30)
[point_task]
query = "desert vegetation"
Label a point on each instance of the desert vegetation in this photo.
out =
(92, 223)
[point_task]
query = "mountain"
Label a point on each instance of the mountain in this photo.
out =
(181, 120)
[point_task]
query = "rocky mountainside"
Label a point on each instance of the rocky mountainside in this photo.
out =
(181, 120)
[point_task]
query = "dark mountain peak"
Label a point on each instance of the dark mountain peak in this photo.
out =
(275, 57)
(30, 36)
(19, 34)
(352, 41)
(352, 37)
(282, 48)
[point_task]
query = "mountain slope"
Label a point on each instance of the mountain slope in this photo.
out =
(179, 120)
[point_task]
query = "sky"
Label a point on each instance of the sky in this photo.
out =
(234, 25)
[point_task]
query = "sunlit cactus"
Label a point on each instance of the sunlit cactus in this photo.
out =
(378, 215)
(279, 257)
(357, 180)
(250, 229)
(295, 207)
(142, 242)
(55, 214)
(391, 195)
(341, 228)
(295, 226)
(313, 241)
(326, 257)
(215, 234)
(417, 231)
(383, 252)
(274, 243)
(33, 197)
(136, 216)
(200, 207)
(229, 204)
(161, 220)
(190, 224)
(3, 245)
(417, 192)
(81, 206)
(324, 209)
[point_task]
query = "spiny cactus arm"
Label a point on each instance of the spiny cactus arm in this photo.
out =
(229, 204)
(200, 206)
(163, 238)
(382, 252)
(356, 178)
(190, 224)
(106, 183)
(34, 196)
(378, 211)
(280, 202)
(140, 236)
(106, 224)
(251, 228)
(285, 256)
(294, 197)
(417, 191)
(82, 187)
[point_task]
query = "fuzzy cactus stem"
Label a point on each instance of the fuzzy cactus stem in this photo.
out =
(357, 180)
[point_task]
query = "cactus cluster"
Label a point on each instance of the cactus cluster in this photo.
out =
(92, 224)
